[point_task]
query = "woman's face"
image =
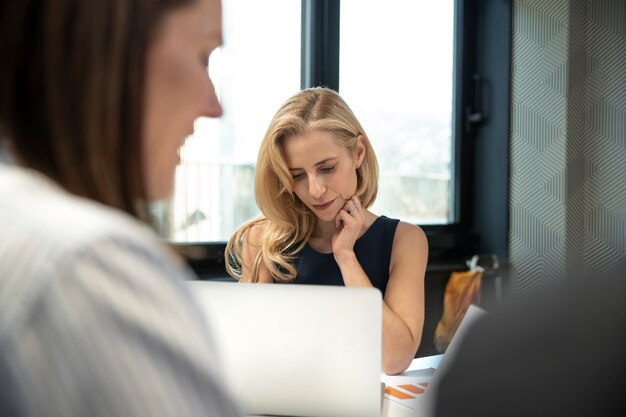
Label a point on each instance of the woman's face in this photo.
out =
(178, 88)
(323, 171)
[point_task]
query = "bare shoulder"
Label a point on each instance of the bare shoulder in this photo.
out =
(409, 234)
(410, 246)
(255, 234)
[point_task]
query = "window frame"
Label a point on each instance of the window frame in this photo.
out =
(479, 192)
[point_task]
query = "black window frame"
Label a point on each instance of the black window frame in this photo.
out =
(479, 189)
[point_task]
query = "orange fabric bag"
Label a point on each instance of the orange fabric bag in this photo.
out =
(462, 289)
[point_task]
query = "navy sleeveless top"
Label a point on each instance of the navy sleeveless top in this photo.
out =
(372, 250)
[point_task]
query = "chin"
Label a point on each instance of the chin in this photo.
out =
(327, 215)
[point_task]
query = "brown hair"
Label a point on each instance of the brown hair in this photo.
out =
(72, 95)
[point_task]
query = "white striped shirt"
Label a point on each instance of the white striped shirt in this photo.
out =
(95, 319)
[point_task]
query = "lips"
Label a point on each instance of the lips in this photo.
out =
(321, 207)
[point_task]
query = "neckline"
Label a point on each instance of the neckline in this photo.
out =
(375, 222)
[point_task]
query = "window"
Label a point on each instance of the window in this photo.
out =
(396, 73)
(404, 66)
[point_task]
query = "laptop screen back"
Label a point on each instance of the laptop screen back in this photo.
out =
(297, 350)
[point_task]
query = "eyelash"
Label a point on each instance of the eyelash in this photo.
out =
(328, 170)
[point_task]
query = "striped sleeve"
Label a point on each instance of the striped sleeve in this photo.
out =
(113, 333)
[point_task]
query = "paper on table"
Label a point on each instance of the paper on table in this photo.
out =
(407, 388)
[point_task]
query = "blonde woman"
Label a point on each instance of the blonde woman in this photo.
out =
(316, 177)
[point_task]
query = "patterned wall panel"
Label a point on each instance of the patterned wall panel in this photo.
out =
(568, 139)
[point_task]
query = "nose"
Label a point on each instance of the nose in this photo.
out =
(317, 187)
(212, 106)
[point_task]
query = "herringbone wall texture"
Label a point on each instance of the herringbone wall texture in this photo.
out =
(568, 139)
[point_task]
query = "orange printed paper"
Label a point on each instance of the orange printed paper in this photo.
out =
(397, 393)
(412, 388)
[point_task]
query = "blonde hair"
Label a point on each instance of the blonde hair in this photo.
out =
(286, 221)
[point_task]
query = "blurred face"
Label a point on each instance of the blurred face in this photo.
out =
(323, 171)
(178, 88)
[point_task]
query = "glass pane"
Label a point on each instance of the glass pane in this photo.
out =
(396, 73)
(256, 69)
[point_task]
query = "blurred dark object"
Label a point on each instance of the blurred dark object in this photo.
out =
(557, 352)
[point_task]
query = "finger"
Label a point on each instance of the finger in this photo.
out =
(338, 221)
(345, 218)
(350, 206)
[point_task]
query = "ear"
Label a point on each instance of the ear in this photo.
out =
(359, 151)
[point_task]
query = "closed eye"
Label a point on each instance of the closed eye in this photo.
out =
(297, 177)
(328, 170)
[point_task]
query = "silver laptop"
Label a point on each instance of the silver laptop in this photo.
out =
(297, 350)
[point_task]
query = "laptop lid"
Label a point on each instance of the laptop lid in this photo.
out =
(297, 350)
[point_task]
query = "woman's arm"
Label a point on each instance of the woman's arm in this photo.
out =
(403, 319)
(403, 305)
